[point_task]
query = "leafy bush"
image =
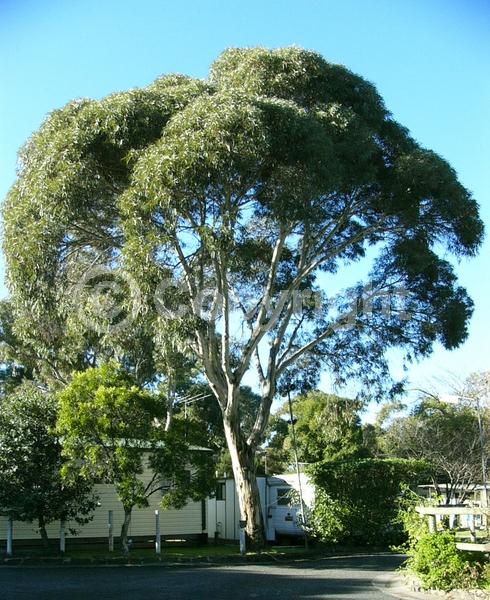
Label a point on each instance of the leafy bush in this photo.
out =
(413, 524)
(439, 565)
(328, 518)
(433, 557)
(356, 500)
(485, 576)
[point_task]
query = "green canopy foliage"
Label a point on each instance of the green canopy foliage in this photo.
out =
(274, 144)
(16, 363)
(31, 460)
(327, 427)
(113, 431)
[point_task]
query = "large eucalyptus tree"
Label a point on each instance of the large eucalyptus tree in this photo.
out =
(223, 204)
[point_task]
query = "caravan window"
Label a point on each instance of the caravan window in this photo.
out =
(283, 496)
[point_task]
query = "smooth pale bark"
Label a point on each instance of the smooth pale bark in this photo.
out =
(243, 465)
(125, 529)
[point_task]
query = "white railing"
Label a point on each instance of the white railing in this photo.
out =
(432, 512)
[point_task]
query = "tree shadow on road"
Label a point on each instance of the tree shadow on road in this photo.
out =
(346, 577)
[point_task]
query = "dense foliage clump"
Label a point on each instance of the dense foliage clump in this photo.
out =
(32, 487)
(356, 501)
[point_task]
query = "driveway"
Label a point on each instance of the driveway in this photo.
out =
(359, 577)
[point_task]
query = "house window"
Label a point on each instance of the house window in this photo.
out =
(221, 491)
(283, 496)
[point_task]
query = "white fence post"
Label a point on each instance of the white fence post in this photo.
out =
(10, 536)
(472, 528)
(111, 531)
(158, 537)
(242, 537)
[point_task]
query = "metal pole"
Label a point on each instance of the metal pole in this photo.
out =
(158, 537)
(62, 537)
(482, 445)
(10, 536)
(111, 531)
(303, 511)
(483, 454)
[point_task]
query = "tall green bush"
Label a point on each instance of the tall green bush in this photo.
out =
(356, 500)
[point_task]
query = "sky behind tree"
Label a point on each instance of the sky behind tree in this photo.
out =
(430, 60)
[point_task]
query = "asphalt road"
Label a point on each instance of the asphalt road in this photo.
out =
(344, 578)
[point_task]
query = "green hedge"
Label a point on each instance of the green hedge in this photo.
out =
(356, 500)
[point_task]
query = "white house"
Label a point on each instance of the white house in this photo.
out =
(216, 517)
(186, 523)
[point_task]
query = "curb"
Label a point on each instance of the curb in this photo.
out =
(398, 586)
(406, 587)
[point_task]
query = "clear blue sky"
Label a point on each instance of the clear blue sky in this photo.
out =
(430, 59)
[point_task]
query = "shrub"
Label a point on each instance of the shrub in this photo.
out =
(328, 518)
(439, 565)
(356, 500)
(433, 557)
(485, 576)
(412, 523)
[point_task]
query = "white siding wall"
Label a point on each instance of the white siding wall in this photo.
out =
(187, 520)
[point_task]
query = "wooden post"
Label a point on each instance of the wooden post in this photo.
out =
(62, 537)
(158, 537)
(484, 504)
(10, 536)
(111, 531)
(472, 528)
(432, 523)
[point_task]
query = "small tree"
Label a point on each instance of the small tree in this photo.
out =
(327, 428)
(31, 485)
(112, 429)
(447, 436)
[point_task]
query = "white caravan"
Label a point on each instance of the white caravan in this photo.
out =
(280, 504)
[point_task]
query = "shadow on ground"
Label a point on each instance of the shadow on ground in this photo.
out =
(346, 577)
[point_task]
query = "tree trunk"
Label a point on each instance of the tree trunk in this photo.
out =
(43, 532)
(125, 529)
(243, 465)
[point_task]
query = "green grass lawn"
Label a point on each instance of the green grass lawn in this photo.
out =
(464, 535)
(168, 552)
(177, 552)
